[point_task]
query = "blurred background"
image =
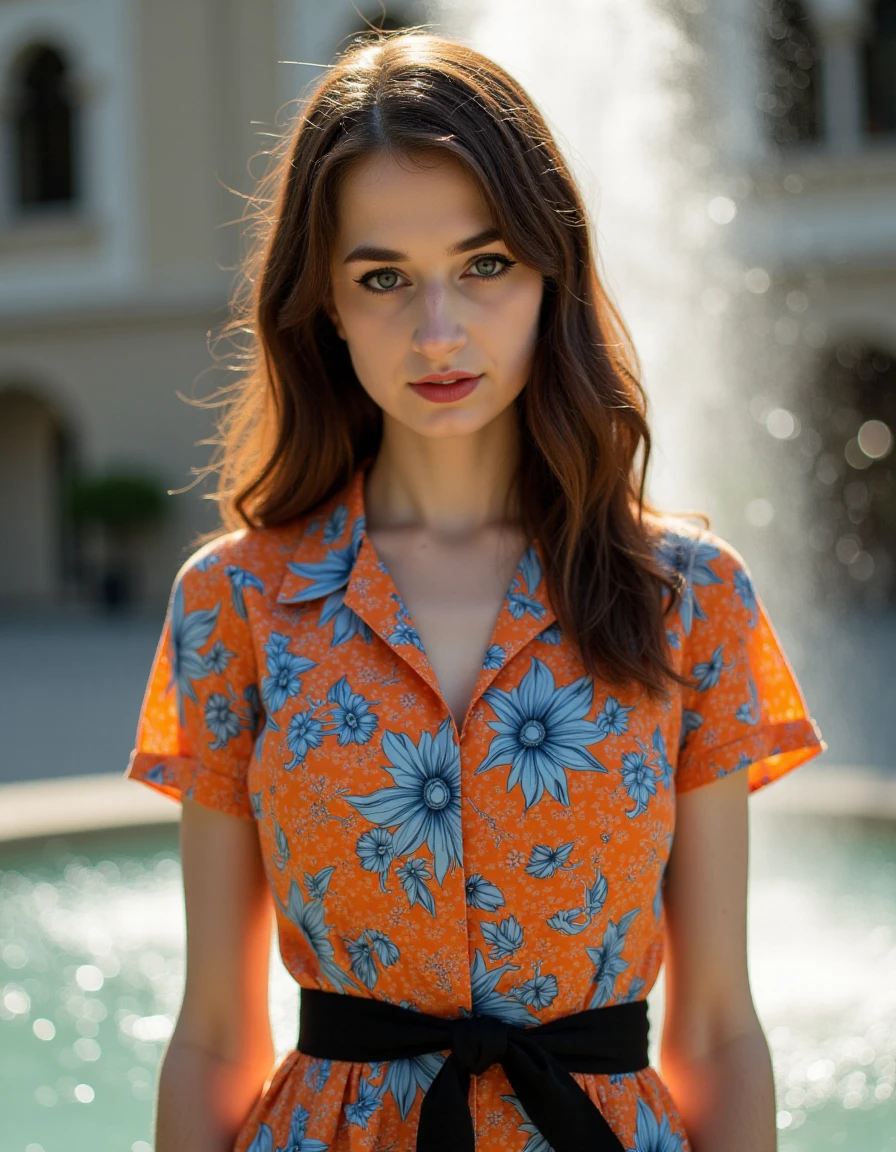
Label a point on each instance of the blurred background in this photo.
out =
(739, 161)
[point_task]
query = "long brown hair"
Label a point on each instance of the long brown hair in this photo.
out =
(298, 423)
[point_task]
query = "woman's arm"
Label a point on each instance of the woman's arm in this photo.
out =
(714, 1056)
(221, 1052)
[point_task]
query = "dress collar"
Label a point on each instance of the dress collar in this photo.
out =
(336, 562)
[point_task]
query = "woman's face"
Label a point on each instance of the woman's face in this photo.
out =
(422, 284)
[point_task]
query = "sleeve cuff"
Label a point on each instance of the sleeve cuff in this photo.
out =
(768, 753)
(182, 776)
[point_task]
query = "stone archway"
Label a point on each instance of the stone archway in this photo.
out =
(39, 557)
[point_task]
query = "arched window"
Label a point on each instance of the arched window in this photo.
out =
(850, 428)
(43, 127)
(790, 96)
(880, 70)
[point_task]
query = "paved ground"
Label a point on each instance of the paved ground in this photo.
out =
(71, 689)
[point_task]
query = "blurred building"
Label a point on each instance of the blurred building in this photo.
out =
(127, 124)
(807, 105)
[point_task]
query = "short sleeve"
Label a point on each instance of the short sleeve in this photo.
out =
(744, 707)
(200, 711)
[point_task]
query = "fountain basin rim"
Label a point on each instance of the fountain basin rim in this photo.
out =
(72, 804)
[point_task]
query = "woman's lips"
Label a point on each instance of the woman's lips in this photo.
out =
(445, 393)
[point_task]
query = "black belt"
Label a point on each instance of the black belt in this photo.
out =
(537, 1061)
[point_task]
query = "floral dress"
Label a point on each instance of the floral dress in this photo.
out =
(513, 868)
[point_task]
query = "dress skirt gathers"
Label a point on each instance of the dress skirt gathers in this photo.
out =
(512, 869)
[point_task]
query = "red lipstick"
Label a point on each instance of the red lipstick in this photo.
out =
(443, 387)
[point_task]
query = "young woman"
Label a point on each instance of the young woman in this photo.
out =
(448, 697)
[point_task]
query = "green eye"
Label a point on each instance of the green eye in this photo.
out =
(385, 280)
(491, 264)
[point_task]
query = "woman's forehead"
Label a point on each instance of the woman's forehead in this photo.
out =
(388, 201)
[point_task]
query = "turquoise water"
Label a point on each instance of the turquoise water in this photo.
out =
(92, 969)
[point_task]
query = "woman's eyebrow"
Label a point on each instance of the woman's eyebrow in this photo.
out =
(367, 252)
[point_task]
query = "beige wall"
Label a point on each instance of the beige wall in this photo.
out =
(28, 509)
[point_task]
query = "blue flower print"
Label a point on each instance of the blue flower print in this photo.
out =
(424, 801)
(317, 1073)
(189, 631)
(608, 962)
(335, 524)
(221, 720)
(528, 573)
(538, 992)
(298, 1141)
(568, 921)
(252, 707)
(691, 560)
(353, 722)
(542, 733)
(673, 638)
(536, 1142)
(690, 722)
(544, 861)
(376, 852)
(707, 673)
(309, 919)
(404, 1076)
(239, 579)
(157, 773)
(494, 657)
(488, 1002)
(284, 673)
(207, 562)
(654, 1135)
(330, 578)
(405, 633)
(529, 570)
(370, 947)
(218, 657)
(363, 1108)
(639, 779)
(658, 897)
(482, 894)
(319, 883)
(413, 875)
(304, 733)
(748, 712)
(660, 758)
(613, 718)
(257, 799)
(505, 938)
(282, 855)
(550, 635)
(634, 992)
(518, 604)
(264, 1138)
(743, 586)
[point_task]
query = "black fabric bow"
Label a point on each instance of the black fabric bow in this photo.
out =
(537, 1061)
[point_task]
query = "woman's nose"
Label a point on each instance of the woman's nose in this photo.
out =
(439, 331)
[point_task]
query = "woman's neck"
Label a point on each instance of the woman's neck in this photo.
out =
(451, 486)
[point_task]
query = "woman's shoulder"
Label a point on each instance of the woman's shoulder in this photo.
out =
(684, 544)
(254, 556)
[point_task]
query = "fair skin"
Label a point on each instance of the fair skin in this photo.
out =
(441, 516)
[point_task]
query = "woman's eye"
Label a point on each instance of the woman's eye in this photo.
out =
(489, 266)
(386, 279)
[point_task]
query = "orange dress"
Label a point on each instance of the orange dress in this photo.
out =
(514, 868)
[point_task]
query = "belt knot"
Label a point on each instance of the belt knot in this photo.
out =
(478, 1042)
